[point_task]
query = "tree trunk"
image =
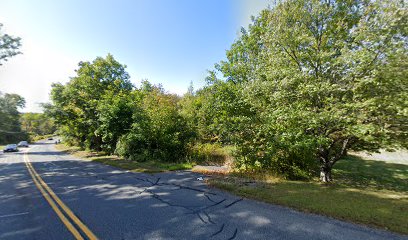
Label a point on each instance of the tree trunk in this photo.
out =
(325, 166)
(327, 160)
(325, 173)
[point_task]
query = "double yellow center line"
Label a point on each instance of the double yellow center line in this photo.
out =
(63, 212)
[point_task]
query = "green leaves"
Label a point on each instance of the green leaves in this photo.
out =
(100, 109)
(10, 127)
(37, 124)
(77, 104)
(318, 78)
(8, 46)
(307, 81)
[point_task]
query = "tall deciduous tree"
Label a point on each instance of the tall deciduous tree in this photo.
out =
(320, 78)
(100, 109)
(75, 104)
(115, 113)
(10, 128)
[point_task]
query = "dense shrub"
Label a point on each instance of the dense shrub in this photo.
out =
(211, 154)
(158, 131)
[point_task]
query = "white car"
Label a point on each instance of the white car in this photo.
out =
(10, 148)
(22, 144)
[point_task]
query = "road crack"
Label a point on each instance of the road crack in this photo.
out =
(234, 202)
(234, 235)
(219, 231)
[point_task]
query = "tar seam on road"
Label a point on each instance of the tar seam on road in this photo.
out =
(13, 215)
(55, 201)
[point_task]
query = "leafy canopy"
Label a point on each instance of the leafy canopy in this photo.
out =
(318, 78)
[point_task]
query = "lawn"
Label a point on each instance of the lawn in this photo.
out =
(134, 166)
(370, 192)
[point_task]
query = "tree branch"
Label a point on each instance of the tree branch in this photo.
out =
(336, 157)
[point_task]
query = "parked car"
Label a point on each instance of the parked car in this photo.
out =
(50, 138)
(11, 148)
(22, 144)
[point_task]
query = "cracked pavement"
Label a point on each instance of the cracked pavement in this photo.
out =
(117, 204)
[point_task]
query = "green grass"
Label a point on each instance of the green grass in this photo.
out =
(369, 192)
(356, 172)
(148, 166)
(211, 154)
(2, 146)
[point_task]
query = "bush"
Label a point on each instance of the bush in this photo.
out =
(133, 146)
(211, 153)
(158, 132)
(290, 158)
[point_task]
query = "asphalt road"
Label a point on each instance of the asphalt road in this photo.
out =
(115, 204)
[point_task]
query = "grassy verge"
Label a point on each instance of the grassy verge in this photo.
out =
(149, 166)
(2, 147)
(372, 192)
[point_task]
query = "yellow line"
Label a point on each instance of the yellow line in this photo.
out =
(66, 222)
(68, 211)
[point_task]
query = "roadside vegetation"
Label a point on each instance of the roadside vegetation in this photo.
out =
(206, 154)
(37, 125)
(304, 84)
(119, 162)
(364, 191)
(10, 127)
(16, 126)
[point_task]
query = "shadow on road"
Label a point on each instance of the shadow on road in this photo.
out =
(117, 204)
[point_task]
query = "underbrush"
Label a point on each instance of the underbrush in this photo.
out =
(211, 154)
(115, 161)
(363, 191)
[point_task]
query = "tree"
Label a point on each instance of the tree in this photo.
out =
(158, 130)
(75, 104)
(37, 124)
(168, 131)
(100, 109)
(9, 46)
(320, 78)
(10, 128)
(115, 112)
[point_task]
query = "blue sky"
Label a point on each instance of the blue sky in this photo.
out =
(172, 42)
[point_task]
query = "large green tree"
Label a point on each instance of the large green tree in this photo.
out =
(9, 46)
(10, 127)
(101, 110)
(75, 104)
(320, 78)
(115, 114)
